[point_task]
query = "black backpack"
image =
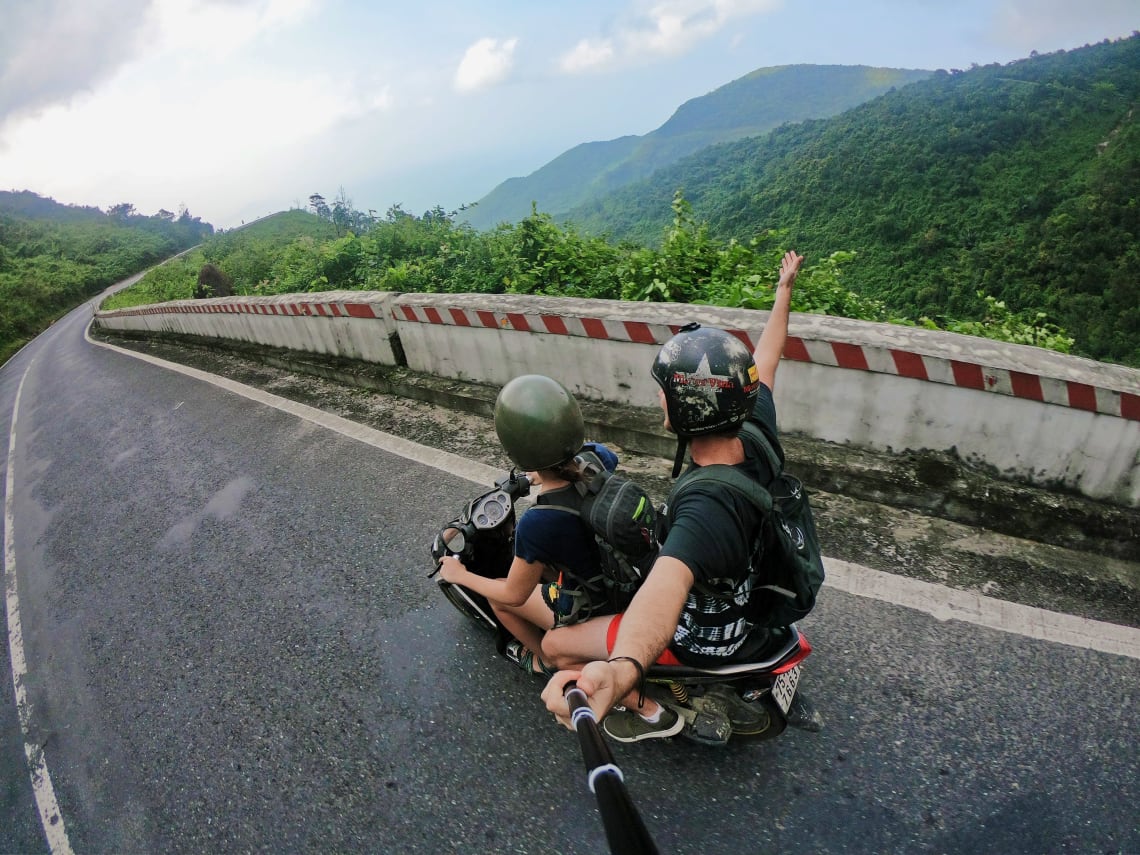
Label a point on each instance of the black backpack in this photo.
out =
(621, 517)
(785, 550)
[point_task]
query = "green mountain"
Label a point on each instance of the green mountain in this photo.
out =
(29, 205)
(1021, 181)
(751, 105)
(54, 256)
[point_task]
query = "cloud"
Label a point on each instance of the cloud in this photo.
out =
(220, 28)
(1047, 24)
(485, 63)
(182, 123)
(587, 54)
(51, 50)
(660, 29)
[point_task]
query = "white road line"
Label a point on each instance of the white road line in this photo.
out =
(938, 600)
(50, 816)
(952, 604)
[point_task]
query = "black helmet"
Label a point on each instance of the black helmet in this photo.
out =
(538, 422)
(710, 383)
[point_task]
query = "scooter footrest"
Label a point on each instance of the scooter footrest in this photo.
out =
(710, 725)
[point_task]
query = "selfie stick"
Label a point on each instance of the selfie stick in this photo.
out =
(625, 831)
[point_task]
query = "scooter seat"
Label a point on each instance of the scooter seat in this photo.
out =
(771, 655)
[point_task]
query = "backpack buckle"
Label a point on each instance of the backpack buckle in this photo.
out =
(594, 472)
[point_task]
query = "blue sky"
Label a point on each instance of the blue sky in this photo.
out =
(238, 108)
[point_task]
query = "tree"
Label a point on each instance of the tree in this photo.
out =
(342, 213)
(320, 206)
(212, 282)
(121, 212)
(54, 256)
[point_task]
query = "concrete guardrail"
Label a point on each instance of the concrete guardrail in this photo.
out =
(1031, 415)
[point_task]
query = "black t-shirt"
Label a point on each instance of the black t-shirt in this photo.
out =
(711, 530)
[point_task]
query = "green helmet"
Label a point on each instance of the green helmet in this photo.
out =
(538, 422)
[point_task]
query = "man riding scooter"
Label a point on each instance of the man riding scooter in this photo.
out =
(693, 605)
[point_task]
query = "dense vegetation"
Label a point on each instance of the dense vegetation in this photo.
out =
(1020, 183)
(993, 202)
(751, 105)
(299, 251)
(261, 258)
(53, 256)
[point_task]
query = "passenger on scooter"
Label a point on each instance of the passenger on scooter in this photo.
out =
(710, 385)
(555, 577)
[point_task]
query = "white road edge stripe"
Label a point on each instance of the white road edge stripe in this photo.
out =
(945, 603)
(939, 601)
(44, 792)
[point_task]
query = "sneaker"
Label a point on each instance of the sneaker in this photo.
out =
(627, 726)
(525, 659)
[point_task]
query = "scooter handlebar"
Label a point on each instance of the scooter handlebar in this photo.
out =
(515, 484)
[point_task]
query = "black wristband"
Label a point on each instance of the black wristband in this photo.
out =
(640, 676)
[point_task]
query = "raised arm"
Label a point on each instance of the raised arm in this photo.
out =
(770, 347)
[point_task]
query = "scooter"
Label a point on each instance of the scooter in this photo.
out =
(757, 700)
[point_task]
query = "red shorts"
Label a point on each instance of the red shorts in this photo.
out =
(666, 657)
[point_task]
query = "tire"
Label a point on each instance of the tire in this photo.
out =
(777, 725)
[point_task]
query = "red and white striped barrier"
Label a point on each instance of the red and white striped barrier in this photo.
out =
(839, 354)
(310, 309)
(352, 324)
(1046, 417)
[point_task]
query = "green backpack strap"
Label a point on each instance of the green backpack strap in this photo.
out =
(723, 473)
(734, 479)
(754, 432)
(729, 476)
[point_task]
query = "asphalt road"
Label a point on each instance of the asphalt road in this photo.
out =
(231, 644)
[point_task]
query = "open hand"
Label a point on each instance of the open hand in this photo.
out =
(789, 267)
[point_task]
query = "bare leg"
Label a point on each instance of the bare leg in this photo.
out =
(571, 647)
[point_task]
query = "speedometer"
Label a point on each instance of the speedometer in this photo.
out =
(492, 510)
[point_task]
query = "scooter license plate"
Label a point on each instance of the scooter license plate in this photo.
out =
(784, 689)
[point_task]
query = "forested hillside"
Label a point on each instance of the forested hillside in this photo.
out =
(338, 248)
(53, 256)
(751, 105)
(288, 252)
(1021, 181)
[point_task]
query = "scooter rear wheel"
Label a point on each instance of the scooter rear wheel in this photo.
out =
(777, 722)
(756, 720)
